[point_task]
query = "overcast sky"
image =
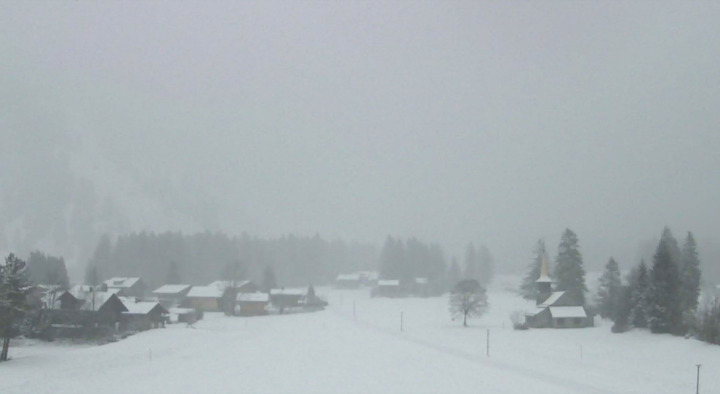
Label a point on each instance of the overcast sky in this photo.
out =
(452, 121)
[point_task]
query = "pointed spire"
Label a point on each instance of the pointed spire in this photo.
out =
(544, 270)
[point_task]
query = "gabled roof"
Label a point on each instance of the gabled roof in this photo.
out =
(252, 297)
(171, 289)
(95, 300)
(140, 307)
(205, 292)
(554, 297)
(224, 284)
(121, 282)
(389, 282)
(559, 312)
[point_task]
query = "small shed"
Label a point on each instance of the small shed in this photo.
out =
(252, 304)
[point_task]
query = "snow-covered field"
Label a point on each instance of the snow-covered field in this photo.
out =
(336, 351)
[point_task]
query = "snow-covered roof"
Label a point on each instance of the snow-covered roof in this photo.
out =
(138, 307)
(288, 292)
(421, 281)
(552, 299)
(81, 289)
(534, 312)
(567, 311)
(171, 289)
(370, 275)
(388, 282)
(253, 297)
(205, 292)
(349, 277)
(94, 300)
(224, 284)
(121, 282)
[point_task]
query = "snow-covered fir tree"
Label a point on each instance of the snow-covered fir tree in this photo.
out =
(527, 287)
(569, 270)
(14, 282)
(639, 286)
(689, 276)
(609, 289)
(664, 304)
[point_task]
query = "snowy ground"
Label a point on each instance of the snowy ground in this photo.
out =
(335, 352)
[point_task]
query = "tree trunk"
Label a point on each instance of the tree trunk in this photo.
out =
(5, 348)
(465, 320)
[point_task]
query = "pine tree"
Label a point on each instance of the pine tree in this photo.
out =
(640, 285)
(528, 289)
(664, 304)
(609, 290)
(689, 276)
(569, 271)
(14, 283)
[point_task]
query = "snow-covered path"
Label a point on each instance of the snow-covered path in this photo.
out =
(336, 352)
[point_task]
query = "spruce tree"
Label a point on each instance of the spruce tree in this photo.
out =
(609, 290)
(640, 285)
(689, 276)
(527, 287)
(569, 271)
(14, 284)
(664, 304)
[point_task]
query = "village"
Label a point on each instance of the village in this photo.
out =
(122, 306)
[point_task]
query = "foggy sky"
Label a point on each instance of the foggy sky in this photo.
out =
(453, 121)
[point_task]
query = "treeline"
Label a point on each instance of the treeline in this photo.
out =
(411, 259)
(662, 298)
(201, 258)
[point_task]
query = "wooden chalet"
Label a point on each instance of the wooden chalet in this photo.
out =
(142, 315)
(286, 299)
(171, 295)
(205, 298)
(80, 314)
(252, 304)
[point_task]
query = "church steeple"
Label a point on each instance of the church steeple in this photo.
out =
(543, 284)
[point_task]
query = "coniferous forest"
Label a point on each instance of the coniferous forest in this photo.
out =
(204, 257)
